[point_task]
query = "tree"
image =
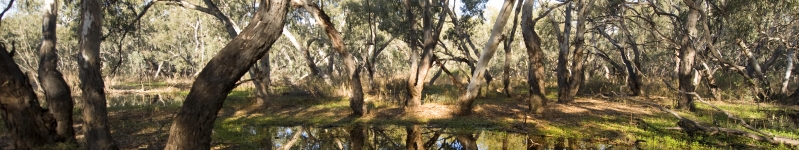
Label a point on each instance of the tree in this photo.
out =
(687, 56)
(56, 90)
(569, 80)
(95, 126)
(535, 57)
(353, 68)
(420, 69)
(466, 99)
(29, 125)
(192, 126)
(507, 44)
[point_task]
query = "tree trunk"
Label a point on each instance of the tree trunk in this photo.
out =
(535, 56)
(95, 126)
(192, 126)
(29, 125)
(563, 52)
(315, 71)
(687, 55)
(353, 69)
(466, 100)
(431, 37)
(260, 73)
(413, 141)
(571, 83)
(633, 69)
(787, 79)
(414, 57)
(761, 85)
(507, 88)
(632, 77)
(56, 90)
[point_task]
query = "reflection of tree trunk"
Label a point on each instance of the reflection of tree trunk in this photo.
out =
(468, 141)
(414, 138)
(95, 127)
(535, 142)
(192, 126)
(357, 137)
(56, 90)
(466, 100)
(293, 139)
(535, 57)
(506, 66)
(353, 69)
(27, 123)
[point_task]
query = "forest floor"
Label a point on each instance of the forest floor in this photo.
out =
(617, 120)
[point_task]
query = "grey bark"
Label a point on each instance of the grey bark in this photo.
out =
(353, 69)
(507, 88)
(466, 99)
(687, 53)
(95, 126)
(191, 128)
(56, 91)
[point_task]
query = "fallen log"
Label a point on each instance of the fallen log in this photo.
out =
(691, 127)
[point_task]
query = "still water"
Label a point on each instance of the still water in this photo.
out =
(390, 137)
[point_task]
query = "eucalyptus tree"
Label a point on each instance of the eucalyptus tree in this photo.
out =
(466, 99)
(570, 78)
(616, 21)
(535, 57)
(193, 124)
(29, 125)
(353, 68)
(95, 114)
(507, 43)
(56, 90)
(419, 70)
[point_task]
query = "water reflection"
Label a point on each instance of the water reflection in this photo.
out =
(412, 137)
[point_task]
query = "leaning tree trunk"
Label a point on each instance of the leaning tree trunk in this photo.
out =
(56, 90)
(95, 116)
(192, 126)
(685, 73)
(29, 125)
(353, 69)
(466, 100)
(535, 56)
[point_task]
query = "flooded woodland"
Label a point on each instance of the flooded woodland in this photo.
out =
(399, 74)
